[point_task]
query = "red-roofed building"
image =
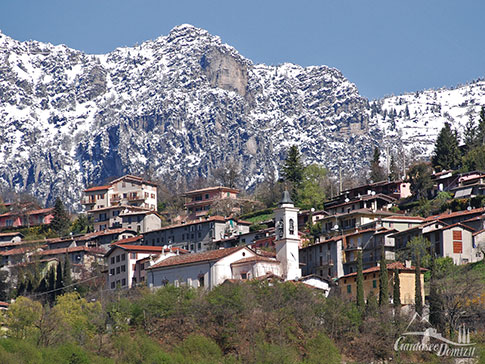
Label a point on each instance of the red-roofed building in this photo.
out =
(122, 262)
(27, 218)
(105, 203)
(211, 268)
(199, 202)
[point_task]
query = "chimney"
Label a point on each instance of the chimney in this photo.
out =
(407, 264)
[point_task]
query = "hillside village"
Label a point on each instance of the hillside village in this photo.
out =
(374, 252)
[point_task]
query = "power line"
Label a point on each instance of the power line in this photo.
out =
(70, 285)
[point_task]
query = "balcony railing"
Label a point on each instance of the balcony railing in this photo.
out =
(87, 201)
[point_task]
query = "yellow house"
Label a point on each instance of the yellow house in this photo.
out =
(348, 283)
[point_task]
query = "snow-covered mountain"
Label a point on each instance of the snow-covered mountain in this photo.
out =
(185, 104)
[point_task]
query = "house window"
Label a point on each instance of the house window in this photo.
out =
(201, 281)
(112, 271)
(123, 282)
(123, 268)
(199, 245)
(457, 247)
(113, 285)
(206, 196)
(117, 270)
(349, 288)
(112, 260)
(117, 259)
(133, 255)
(374, 283)
(123, 257)
(244, 276)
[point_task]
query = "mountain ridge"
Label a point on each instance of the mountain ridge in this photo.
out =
(180, 106)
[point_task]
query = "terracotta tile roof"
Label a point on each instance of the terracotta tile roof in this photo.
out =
(196, 257)
(391, 266)
(31, 212)
(4, 304)
(256, 258)
(403, 217)
(456, 213)
(128, 240)
(72, 250)
(455, 225)
(17, 251)
(136, 178)
(208, 189)
(96, 234)
(10, 234)
(193, 222)
(144, 249)
(97, 188)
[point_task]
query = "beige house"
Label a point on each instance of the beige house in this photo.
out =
(140, 221)
(199, 202)
(348, 283)
(105, 203)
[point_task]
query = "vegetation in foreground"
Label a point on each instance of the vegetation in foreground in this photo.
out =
(252, 322)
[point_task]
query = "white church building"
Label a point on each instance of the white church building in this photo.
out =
(211, 268)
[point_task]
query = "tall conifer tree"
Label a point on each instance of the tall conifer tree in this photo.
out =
(383, 280)
(446, 153)
(292, 171)
(396, 290)
(60, 221)
(417, 285)
(360, 281)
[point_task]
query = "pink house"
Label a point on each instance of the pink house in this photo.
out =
(199, 202)
(28, 218)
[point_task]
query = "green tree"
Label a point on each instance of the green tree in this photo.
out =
(59, 279)
(60, 222)
(417, 285)
(372, 305)
(66, 276)
(376, 171)
(474, 160)
(470, 135)
(383, 280)
(481, 128)
(435, 302)
(292, 171)
(394, 173)
(312, 191)
(360, 281)
(446, 153)
(396, 290)
(419, 177)
(51, 281)
(82, 224)
(22, 317)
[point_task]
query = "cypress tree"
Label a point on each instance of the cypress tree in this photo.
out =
(417, 285)
(372, 306)
(394, 174)
(435, 303)
(59, 277)
(51, 279)
(60, 221)
(383, 280)
(66, 278)
(446, 153)
(360, 281)
(396, 290)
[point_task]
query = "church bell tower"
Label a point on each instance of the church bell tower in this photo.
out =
(287, 239)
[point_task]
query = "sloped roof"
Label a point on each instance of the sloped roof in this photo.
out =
(256, 258)
(454, 214)
(144, 249)
(97, 188)
(128, 240)
(196, 257)
(391, 266)
(72, 250)
(209, 189)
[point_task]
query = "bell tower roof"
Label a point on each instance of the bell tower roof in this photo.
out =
(286, 199)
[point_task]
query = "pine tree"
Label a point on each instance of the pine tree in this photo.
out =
(60, 221)
(292, 171)
(417, 286)
(446, 153)
(419, 176)
(481, 128)
(470, 135)
(376, 171)
(372, 306)
(396, 290)
(66, 278)
(394, 174)
(383, 280)
(360, 282)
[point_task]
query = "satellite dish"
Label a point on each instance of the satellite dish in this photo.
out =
(335, 227)
(347, 199)
(469, 208)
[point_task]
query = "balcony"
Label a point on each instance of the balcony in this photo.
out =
(87, 201)
(328, 263)
(135, 197)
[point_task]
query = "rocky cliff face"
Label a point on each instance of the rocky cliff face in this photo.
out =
(182, 104)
